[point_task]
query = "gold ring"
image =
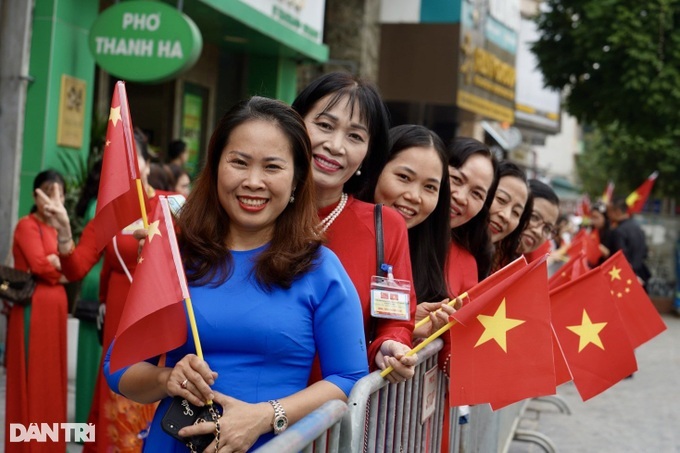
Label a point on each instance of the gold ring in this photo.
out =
(184, 383)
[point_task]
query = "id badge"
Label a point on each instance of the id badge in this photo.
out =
(390, 298)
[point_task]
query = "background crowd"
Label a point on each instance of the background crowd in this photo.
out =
(283, 248)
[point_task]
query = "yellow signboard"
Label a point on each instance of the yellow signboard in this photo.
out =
(71, 119)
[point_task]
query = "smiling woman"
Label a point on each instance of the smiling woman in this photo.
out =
(267, 295)
(415, 183)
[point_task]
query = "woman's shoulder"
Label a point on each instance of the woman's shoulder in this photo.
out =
(28, 222)
(326, 259)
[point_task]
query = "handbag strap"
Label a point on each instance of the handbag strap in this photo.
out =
(380, 259)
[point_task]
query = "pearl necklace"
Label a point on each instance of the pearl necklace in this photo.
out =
(330, 218)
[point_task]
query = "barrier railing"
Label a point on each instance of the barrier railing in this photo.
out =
(406, 417)
(318, 432)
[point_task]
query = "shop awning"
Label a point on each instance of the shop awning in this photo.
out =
(507, 138)
(234, 23)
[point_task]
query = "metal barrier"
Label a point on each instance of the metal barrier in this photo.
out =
(386, 417)
(318, 432)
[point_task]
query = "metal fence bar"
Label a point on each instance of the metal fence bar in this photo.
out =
(394, 414)
(313, 429)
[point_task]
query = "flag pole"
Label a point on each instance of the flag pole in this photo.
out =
(177, 259)
(450, 303)
(131, 145)
(422, 345)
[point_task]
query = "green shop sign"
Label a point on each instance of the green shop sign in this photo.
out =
(144, 41)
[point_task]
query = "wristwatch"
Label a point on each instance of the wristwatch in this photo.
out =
(280, 421)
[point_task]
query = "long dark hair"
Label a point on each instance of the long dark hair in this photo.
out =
(204, 224)
(50, 176)
(506, 250)
(372, 111)
(473, 235)
(428, 241)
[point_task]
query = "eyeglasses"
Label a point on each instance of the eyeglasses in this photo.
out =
(535, 220)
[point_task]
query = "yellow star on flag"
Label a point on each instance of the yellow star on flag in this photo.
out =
(114, 115)
(615, 273)
(154, 230)
(632, 198)
(497, 326)
(108, 142)
(140, 260)
(588, 332)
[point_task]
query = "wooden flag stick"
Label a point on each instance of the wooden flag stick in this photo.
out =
(422, 345)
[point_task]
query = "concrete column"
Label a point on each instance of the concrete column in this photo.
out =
(15, 36)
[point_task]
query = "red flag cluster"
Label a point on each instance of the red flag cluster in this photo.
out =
(524, 334)
(120, 201)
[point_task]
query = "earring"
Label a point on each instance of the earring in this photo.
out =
(292, 199)
(358, 172)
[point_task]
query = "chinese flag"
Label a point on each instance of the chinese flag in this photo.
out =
(118, 203)
(153, 319)
(640, 317)
(573, 268)
(637, 199)
(591, 334)
(501, 350)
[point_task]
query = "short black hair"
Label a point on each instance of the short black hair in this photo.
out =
(542, 190)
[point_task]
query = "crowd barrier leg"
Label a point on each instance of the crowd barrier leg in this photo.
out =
(384, 417)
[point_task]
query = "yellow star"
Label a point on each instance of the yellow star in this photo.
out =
(627, 289)
(108, 142)
(497, 326)
(114, 115)
(632, 198)
(629, 281)
(615, 273)
(153, 230)
(140, 260)
(588, 332)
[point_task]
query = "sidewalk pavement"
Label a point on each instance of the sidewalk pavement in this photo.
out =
(640, 414)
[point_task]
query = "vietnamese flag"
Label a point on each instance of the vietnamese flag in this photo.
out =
(153, 320)
(591, 334)
(637, 199)
(501, 350)
(118, 201)
(639, 316)
(494, 279)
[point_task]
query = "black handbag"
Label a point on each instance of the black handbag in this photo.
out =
(16, 286)
(182, 413)
(86, 310)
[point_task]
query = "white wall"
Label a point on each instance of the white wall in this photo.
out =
(557, 156)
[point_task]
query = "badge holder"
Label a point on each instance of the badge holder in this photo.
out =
(390, 297)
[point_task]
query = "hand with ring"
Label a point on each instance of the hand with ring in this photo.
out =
(191, 378)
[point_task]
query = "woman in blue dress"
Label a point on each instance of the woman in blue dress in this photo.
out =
(267, 295)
